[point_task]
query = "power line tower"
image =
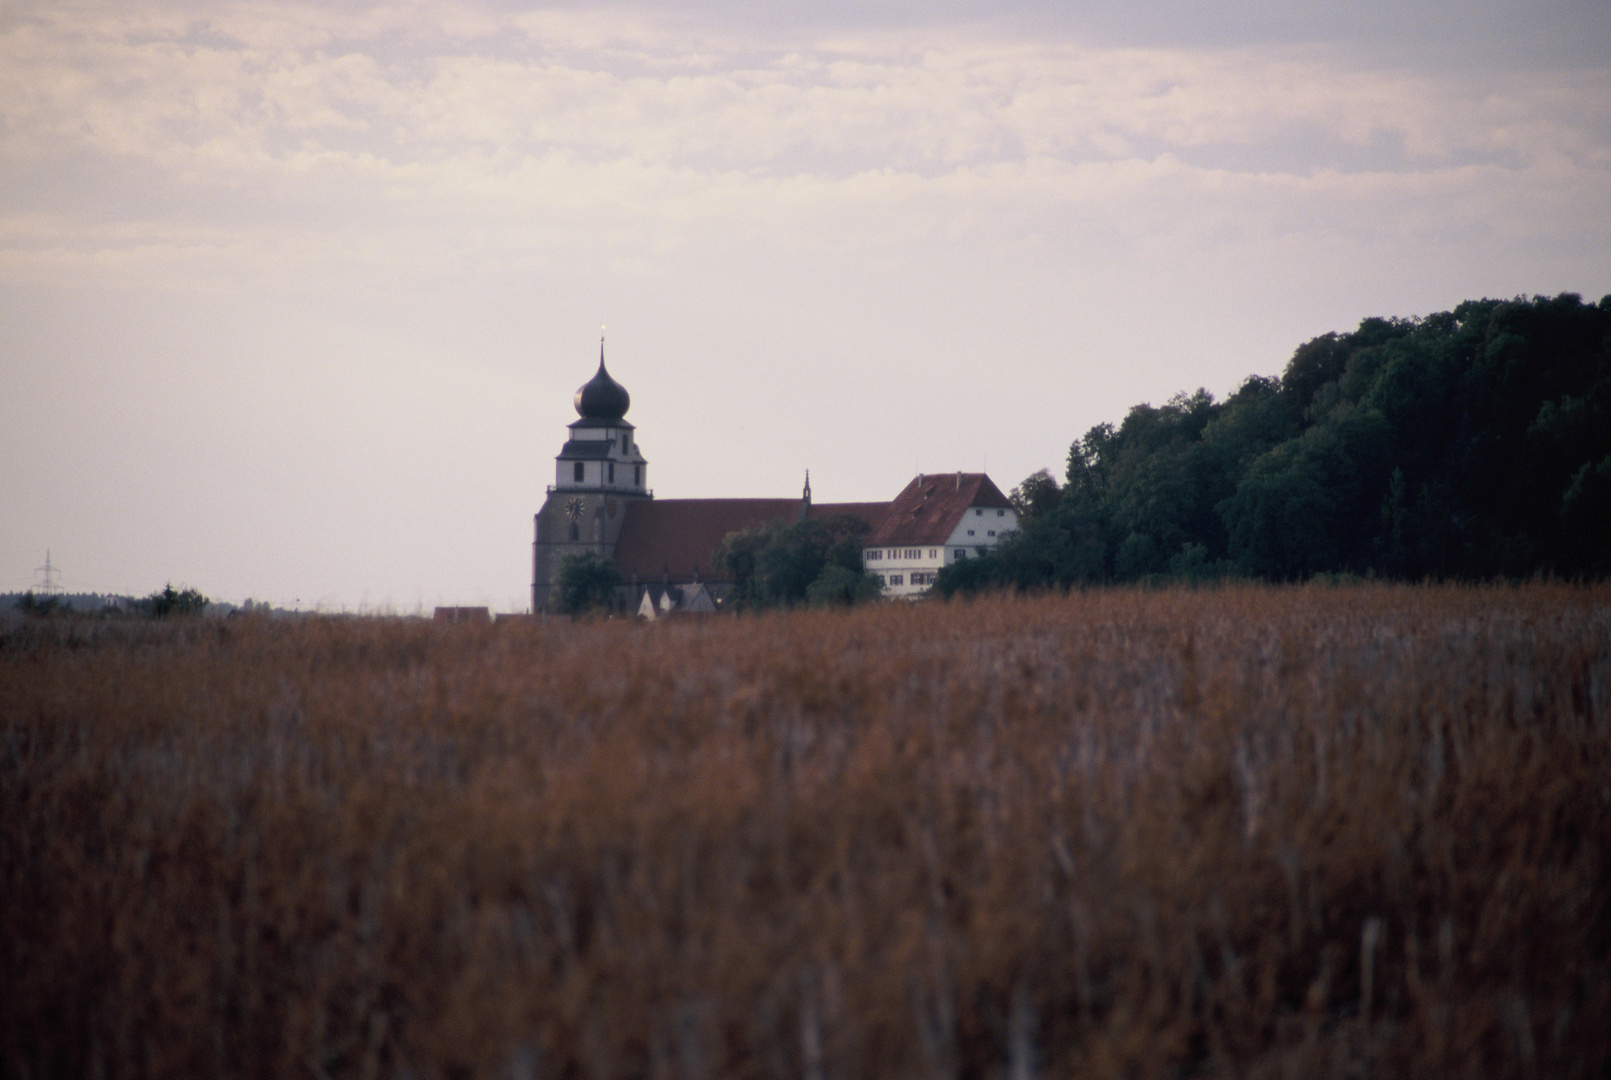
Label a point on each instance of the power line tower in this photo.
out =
(49, 577)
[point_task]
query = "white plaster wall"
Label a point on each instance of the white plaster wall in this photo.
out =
(984, 523)
(979, 523)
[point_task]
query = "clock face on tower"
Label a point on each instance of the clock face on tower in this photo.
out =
(573, 509)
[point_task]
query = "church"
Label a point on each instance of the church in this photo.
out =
(601, 502)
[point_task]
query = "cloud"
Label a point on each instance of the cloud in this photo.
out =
(278, 132)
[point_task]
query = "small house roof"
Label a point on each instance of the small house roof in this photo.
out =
(929, 509)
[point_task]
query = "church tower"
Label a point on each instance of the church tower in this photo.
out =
(596, 472)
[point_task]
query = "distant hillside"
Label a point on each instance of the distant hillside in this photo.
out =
(67, 601)
(1469, 444)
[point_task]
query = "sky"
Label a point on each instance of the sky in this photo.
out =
(294, 297)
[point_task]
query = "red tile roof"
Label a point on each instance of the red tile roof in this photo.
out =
(930, 508)
(872, 513)
(676, 536)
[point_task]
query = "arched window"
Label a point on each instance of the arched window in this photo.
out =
(576, 532)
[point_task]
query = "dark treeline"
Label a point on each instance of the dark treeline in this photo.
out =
(159, 605)
(1469, 444)
(815, 561)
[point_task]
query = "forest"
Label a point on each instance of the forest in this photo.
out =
(1471, 444)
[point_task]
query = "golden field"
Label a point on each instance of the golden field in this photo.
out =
(1243, 831)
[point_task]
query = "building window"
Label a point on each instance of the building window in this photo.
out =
(992, 532)
(970, 532)
(576, 533)
(896, 579)
(637, 476)
(1001, 513)
(931, 553)
(623, 442)
(960, 554)
(874, 554)
(612, 472)
(978, 513)
(880, 578)
(578, 472)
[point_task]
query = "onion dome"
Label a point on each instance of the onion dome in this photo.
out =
(602, 398)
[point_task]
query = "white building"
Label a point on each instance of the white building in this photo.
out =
(938, 519)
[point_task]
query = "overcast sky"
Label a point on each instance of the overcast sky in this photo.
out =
(294, 297)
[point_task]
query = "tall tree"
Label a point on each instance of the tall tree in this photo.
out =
(586, 582)
(777, 564)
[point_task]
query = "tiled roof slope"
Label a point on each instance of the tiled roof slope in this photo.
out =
(872, 513)
(676, 536)
(930, 508)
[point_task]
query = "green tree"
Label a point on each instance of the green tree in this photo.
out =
(1466, 444)
(1036, 495)
(969, 576)
(586, 582)
(839, 586)
(777, 564)
(170, 602)
(38, 606)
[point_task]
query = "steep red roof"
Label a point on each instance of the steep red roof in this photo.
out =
(676, 536)
(872, 513)
(930, 508)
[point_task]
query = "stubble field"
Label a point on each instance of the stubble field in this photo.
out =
(1239, 832)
